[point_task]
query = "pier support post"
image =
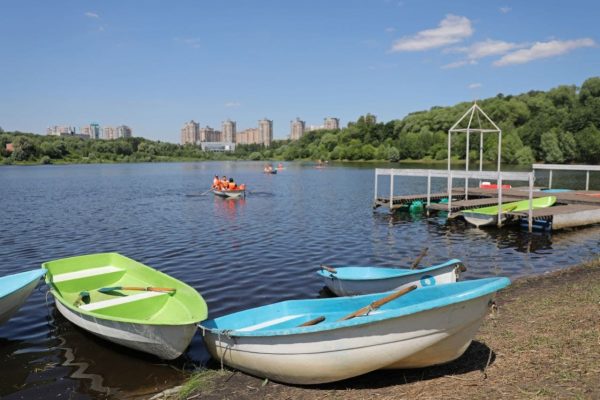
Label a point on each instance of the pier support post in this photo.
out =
(550, 180)
(499, 200)
(428, 191)
(449, 193)
(391, 190)
(376, 179)
(530, 211)
(587, 180)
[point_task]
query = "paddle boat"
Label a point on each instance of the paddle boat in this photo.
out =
(317, 341)
(15, 289)
(489, 215)
(126, 302)
(352, 280)
(231, 193)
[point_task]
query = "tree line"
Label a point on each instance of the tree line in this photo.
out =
(557, 126)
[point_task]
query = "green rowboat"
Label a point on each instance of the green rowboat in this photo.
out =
(489, 215)
(126, 302)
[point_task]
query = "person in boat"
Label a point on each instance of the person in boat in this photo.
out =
(216, 182)
(224, 182)
(231, 185)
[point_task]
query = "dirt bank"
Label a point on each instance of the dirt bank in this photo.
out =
(542, 342)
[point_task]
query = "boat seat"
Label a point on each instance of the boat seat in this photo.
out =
(120, 300)
(270, 323)
(84, 273)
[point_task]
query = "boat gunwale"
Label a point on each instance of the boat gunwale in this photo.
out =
(61, 299)
(414, 272)
(36, 274)
(490, 286)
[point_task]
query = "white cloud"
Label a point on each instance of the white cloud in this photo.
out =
(233, 104)
(543, 50)
(505, 10)
(390, 30)
(458, 64)
(451, 29)
(192, 42)
(92, 14)
(490, 48)
(479, 50)
(475, 86)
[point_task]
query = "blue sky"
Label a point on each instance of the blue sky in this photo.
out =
(153, 65)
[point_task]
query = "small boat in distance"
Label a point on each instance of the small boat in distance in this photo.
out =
(489, 215)
(126, 302)
(15, 289)
(352, 280)
(316, 341)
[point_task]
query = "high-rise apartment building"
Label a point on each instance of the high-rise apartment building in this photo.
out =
(123, 131)
(190, 133)
(109, 133)
(248, 136)
(229, 131)
(332, 123)
(60, 130)
(208, 134)
(265, 131)
(91, 130)
(297, 129)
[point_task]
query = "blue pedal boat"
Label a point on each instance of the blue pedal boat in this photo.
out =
(315, 341)
(352, 280)
(15, 289)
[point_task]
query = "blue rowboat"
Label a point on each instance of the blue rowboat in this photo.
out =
(348, 280)
(15, 289)
(314, 341)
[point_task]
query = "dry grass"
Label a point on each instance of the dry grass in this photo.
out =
(542, 343)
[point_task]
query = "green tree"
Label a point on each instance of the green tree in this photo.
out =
(550, 148)
(588, 141)
(24, 149)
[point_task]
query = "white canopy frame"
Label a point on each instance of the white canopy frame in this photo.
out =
(474, 112)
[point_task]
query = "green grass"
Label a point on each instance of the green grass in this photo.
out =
(203, 379)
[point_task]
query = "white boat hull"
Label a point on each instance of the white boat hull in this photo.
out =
(230, 194)
(11, 303)
(164, 341)
(482, 219)
(348, 287)
(430, 337)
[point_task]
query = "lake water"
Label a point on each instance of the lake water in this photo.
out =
(236, 253)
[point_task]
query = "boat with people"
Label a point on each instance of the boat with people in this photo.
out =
(489, 215)
(126, 302)
(15, 289)
(329, 339)
(352, 280)
(268, 169)
(227, 188)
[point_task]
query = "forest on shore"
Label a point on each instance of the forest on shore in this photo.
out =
(561, 125)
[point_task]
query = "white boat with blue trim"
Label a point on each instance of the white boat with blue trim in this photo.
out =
(428, 326)
(15, 289)
(352, 280)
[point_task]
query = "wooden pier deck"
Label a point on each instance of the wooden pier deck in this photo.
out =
(572, 208)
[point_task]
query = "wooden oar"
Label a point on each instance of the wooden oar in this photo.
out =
(419, 258)
(378, 303)
(209, 190)
(329, 269)
(148, 289)
(313, 321)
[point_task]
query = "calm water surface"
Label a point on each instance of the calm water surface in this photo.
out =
(236, 253)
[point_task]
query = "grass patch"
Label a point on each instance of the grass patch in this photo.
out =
(201, 380)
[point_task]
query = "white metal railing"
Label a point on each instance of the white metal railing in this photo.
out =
(499, 177)
(563, 167)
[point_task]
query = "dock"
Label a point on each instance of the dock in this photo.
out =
(572, 209)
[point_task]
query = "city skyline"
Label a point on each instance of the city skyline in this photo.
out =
(154, 66)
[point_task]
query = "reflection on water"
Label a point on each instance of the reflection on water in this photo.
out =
(238, 253)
